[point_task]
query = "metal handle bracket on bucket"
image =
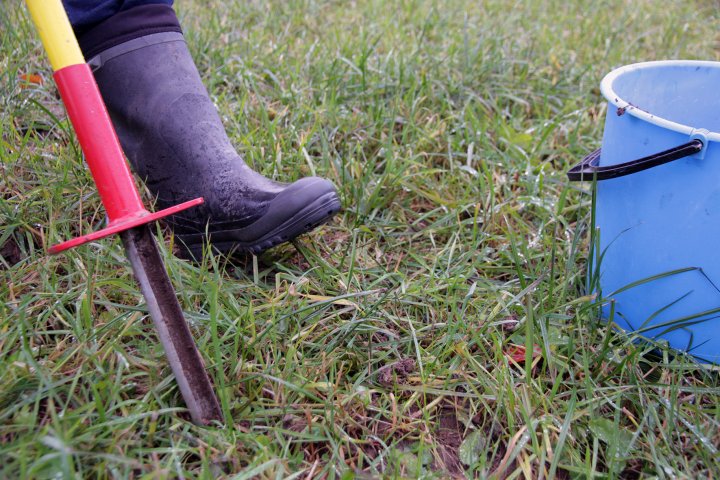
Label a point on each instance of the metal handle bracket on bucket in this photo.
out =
(589, 169)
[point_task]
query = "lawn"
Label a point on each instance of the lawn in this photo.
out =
(438, 327)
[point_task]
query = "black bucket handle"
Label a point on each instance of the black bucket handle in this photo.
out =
(589, 170)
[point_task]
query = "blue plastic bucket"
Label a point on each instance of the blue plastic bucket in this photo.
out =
(658, 203)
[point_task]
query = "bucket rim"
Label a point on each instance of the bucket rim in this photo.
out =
(606, 87)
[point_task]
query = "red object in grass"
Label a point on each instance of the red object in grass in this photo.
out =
(517, 352)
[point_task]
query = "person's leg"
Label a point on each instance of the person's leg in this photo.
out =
(85, 14)
(173, 136)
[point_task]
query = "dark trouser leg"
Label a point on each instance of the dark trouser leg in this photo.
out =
(85, 14)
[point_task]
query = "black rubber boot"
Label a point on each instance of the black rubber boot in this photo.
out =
(173, 137)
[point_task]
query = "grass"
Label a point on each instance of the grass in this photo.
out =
(439, 327)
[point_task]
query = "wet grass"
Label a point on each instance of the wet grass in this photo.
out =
(438, 327)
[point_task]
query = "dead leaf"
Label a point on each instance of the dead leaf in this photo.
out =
(517, 352)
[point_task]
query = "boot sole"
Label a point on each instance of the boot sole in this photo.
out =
(227, 242)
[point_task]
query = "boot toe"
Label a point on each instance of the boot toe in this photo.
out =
(301, 207)
(297, 209)
(304, 191)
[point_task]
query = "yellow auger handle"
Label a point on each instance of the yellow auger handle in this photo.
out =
(57, 35)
